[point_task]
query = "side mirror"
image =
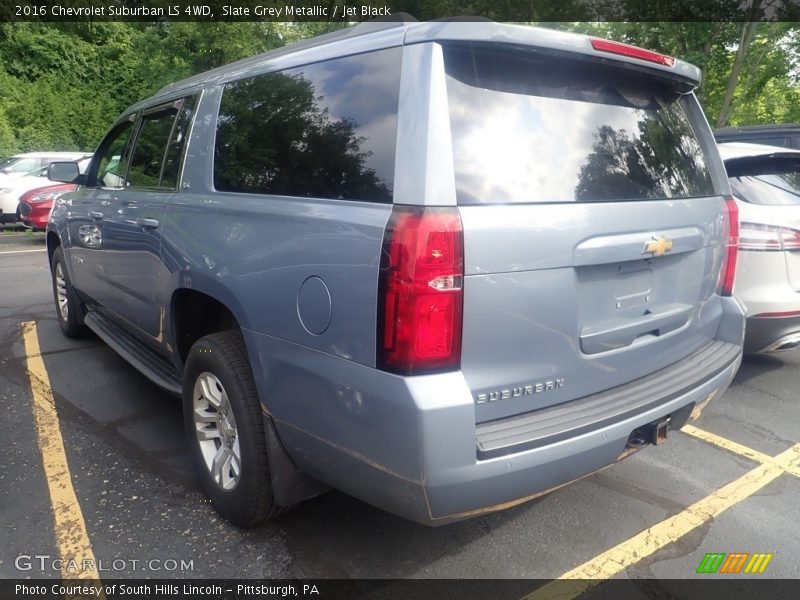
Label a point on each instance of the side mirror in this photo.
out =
(65, 172)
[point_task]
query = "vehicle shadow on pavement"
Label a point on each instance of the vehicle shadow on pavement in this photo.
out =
(755, 365)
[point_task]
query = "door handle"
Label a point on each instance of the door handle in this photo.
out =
(147, 223)
(96, 214)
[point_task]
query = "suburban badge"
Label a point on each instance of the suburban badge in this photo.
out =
(523, 390)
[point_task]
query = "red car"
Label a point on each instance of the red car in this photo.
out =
(34, 205)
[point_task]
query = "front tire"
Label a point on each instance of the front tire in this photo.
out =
(69, 310)
(223, 420)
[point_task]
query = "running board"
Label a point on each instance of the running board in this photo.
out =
(151, 365)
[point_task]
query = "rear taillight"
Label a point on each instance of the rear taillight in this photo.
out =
(755, 236)
(632, 51)
(420, 295)
(731, 248)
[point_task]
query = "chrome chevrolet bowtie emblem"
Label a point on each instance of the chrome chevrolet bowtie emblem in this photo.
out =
(658, 246)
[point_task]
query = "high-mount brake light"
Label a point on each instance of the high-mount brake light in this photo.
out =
(731, 248)
(420, 297)
(632, 52)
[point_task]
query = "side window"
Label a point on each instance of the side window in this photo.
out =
(158, 150)
(172, 163)
(325, 130)
(148, 153)
(110, 162)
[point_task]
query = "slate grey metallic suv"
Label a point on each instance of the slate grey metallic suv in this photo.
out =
(443, 267)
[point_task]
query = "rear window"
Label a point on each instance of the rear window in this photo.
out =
(530, 126)
(769, 182)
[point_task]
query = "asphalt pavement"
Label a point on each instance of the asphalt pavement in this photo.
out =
(144, 511)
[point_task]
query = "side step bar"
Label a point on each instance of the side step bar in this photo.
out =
(151, 365)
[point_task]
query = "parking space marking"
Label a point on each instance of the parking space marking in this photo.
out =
(74, 548)
(612, 562)
(23, 251)
(787, 463)
(726, 444)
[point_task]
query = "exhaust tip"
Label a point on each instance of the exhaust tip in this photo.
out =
(787, 343)
(787, 346)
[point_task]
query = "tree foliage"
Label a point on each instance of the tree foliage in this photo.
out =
(62, 85)
(767, 85)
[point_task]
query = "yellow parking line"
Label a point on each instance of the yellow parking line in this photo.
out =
(727, 444)
(788, 463)
(617, 559)
(74, 549)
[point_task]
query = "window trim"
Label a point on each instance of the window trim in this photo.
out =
(175, 105)
(94, 167)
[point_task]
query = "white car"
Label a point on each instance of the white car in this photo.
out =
(22, 164)
(766, 184)
(12, 188)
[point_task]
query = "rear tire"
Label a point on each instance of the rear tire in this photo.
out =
(69, 310)
(223, 420)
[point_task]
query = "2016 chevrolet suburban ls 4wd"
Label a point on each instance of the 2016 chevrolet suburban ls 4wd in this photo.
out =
(443, 267)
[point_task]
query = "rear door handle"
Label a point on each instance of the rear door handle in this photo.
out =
(147, 223)
(96, 214)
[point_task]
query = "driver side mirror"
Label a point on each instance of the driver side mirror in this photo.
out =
(64, 172)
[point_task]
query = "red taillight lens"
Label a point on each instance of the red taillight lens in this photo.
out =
(756, 236)
(420, 291)
(731, 249)
(632, 51)
(790, 238)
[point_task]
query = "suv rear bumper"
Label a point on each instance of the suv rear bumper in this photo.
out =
(770, 334)
(411, 445)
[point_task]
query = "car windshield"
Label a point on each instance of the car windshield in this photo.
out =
(779, 185)
(20, 165)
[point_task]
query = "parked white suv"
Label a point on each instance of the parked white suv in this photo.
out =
(766, 184)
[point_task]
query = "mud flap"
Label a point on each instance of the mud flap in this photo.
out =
(289, 485)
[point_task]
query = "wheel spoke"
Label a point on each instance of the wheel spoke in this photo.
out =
(207, 434)
(221, 458)
(201, 415)
(236, 460)
(210, 392)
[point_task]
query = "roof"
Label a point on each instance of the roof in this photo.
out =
(70, 155)
(757, 129)
(376, 35)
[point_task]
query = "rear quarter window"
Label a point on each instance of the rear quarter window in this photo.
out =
(326, 130)
(530, 126)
